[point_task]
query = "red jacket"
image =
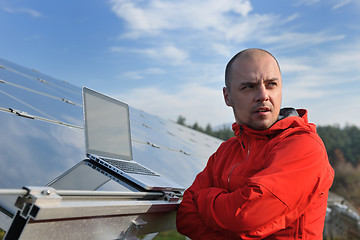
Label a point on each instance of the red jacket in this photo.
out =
(270, 184)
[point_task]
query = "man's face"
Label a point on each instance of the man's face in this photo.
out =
(255, 91)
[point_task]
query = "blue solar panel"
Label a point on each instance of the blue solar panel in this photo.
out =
(42, 133)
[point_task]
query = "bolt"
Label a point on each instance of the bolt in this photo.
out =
(46, 192)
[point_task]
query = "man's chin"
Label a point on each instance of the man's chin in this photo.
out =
(260, 128)
(261, 125)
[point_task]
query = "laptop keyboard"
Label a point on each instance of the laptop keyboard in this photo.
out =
(130, 167)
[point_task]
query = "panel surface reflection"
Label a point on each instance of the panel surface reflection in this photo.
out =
(35, 152)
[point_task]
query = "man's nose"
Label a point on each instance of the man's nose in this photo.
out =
(262, 94)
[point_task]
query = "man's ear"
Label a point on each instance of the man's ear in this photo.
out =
(227, 97)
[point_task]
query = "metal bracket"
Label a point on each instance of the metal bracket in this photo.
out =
(27, 203)
(28, 208)
(21, 113)
(133, 230)
(170, 196)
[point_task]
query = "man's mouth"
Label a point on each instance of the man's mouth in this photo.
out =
(263, 109)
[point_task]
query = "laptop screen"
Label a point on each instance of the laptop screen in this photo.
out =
(107, 126)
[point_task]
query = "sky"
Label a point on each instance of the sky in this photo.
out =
(167, 57)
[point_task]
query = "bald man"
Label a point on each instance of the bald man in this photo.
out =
(270, 181)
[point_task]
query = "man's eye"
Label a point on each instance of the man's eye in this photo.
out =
(272, 84)
(247, 87)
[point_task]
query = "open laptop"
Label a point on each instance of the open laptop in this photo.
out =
(108, 142)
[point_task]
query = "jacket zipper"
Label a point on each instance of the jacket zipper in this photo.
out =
(247, 156)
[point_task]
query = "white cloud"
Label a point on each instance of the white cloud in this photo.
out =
(189, 31)
(295, 39)
(214, 25)
(313, 81)
(152, 17)
(308, 2)
(341, 3)
(197, 103)
(334, 110)
(325, 82)
(291, 18)
(155, 71)
(29, 11)
(336, 4)
(326, 67)
(222, 49)
(329, 66)
(202, 21)
(291, 66)
(141, 74)
(163, 52)
(117, 49)
(343, 60)
(131, 75)
(296, 93)
(169, 54)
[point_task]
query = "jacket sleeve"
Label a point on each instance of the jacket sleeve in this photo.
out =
(188, 220)
(297, 172)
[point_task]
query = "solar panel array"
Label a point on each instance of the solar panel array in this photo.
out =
(42, 133)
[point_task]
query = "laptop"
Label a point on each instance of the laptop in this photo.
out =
(108, 142)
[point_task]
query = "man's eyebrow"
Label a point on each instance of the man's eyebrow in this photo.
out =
(258, 82)
(271, 80)
(248, 83)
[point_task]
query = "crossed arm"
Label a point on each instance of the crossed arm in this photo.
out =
(265, 204)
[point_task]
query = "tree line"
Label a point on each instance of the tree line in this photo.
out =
(343, 149)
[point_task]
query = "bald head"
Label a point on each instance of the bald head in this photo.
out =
(245, 55)
(254, 88)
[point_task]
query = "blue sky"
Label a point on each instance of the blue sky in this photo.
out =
(167, 57)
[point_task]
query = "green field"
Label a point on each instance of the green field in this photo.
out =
(2, 233)
(174, 235)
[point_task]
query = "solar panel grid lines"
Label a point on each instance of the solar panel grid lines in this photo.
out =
(41, 93)
(37, 100)
(38, 76)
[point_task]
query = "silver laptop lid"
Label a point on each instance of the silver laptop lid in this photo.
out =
(107, 126)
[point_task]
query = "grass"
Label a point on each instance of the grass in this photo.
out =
(2, 234)
(174, 235)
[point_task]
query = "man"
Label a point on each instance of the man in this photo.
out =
(271, 180)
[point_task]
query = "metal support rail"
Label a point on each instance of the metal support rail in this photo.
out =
(109, 193)
(13, 192)
(86, 193)
(26, 115)
(47, 213)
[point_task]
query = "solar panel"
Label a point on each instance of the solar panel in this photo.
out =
(42, 133)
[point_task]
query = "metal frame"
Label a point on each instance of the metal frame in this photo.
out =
(45, 213)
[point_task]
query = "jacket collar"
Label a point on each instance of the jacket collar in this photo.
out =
(288, 118)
